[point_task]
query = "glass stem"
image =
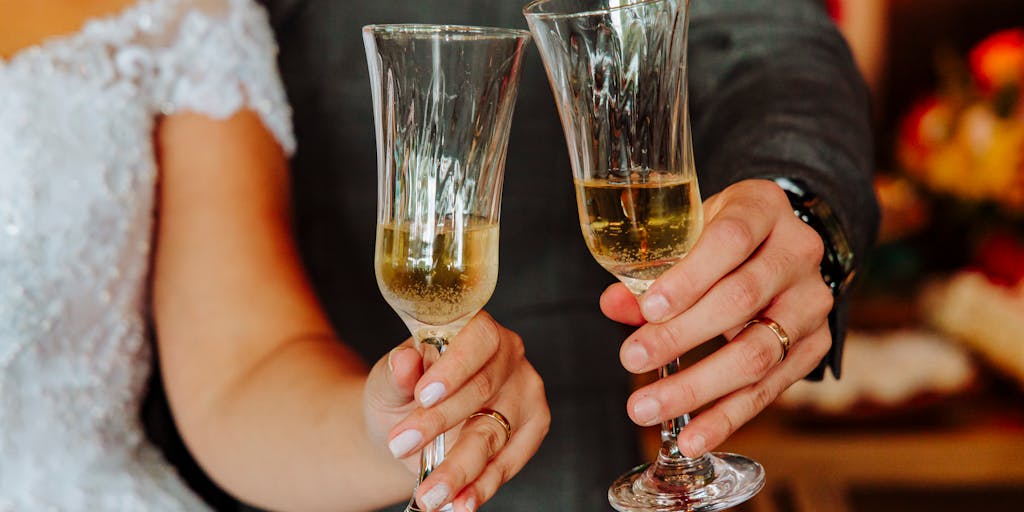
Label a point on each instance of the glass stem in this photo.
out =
(433, 453)
(670, 428)
(674, 471)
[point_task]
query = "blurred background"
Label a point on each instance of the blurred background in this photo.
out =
(929, 414)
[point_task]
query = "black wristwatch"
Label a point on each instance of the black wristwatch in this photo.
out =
(837, 265)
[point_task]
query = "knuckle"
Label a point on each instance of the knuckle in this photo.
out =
(490, 332)
(817, 248)
(505, 471)
(811, 246)
(484, 385)
(762, 203)
(825, 298)
(685, 397)
(726, 425)
(486, 331)
(763, 396)
(735, 233)
(492, 437)
(745, 292)
(484, 488)
(435, 420)
(545, 421)
(686, 285)
(666, 337)
(676, 280)
(820, 345)
(518, 348)
(534, 385)
(487, 485)
(484, 316)
(460, 364)
(455, 475)
(757, 359)
(781, 263)
(774, 194)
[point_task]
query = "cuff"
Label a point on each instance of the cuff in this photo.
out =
(837, 264)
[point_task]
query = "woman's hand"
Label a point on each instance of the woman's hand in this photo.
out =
(483, 368)
(755, 259)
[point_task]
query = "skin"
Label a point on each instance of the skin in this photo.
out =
(273, 407)
(754, 258)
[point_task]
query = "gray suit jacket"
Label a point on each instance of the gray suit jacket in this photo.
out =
(773, 92)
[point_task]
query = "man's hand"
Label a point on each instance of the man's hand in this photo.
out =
(754, 259)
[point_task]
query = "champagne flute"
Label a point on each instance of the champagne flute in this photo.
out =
(443, 98)
(618, 72)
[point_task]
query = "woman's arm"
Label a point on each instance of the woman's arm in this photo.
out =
(241, 337)
(273, 408)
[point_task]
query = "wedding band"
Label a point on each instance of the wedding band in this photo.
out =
(777, 329)
(496, 416)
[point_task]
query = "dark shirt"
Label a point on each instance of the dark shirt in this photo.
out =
(773, 92)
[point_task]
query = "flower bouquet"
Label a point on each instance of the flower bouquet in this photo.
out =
(962, 151)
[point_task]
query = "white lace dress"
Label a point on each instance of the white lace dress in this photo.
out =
(77, 198)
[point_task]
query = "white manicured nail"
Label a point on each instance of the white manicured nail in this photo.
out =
(470, 505)
(432, 393)
(403, 443)
(435, 496)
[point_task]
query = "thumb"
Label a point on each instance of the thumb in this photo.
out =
(619, 304)
(392, 382)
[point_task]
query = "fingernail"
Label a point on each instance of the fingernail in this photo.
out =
(654, 306)
(470, 505)
(435, 496)
(697, 446)
(634, 356)
(391, 365)
(403, 443)
(431, 394)
(647, 411)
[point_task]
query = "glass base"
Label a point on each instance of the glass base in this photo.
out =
(735, 479)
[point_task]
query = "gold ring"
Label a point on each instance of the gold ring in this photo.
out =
(496, 416)
(777, 329)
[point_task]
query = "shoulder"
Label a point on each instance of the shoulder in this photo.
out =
(218, 13)
(162, 23)
(218, 8)
(221, 58)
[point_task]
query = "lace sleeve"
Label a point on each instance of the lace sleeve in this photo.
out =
(222, 60)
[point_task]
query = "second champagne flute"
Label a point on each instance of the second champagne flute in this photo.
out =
(443, 99)
(618, 72)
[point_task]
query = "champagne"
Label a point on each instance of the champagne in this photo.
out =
(437, 276)
(639, 228)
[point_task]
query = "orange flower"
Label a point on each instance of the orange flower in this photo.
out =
(998, 61)
(927, 126)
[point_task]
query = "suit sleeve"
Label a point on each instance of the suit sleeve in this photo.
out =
(775, 94)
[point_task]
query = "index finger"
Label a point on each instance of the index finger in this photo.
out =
(476, 345)
(737, 229)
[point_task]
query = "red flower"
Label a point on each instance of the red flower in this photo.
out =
(835, 9)
(998, 61)
(928, 124)
(1001, 258)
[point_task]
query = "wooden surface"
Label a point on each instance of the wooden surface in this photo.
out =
(976, 444)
